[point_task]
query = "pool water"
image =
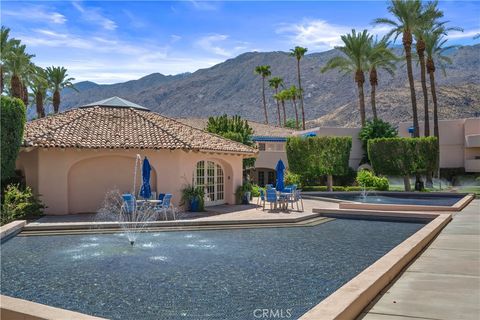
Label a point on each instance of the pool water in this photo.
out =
(424, 199)
(216, 274)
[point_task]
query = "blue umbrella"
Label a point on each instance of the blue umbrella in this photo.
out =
(280, 168)
(145, 191)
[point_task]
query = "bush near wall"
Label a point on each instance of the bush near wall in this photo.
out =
(19, 204)
(366, 179)
(312, 157)
(403, 156)
(336, 188)
(374, 129)
(13, 117)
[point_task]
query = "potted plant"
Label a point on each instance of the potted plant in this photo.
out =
(244, 193)
(193, 197)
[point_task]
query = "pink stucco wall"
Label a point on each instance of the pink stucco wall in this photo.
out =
(459, 142)
(75, 180)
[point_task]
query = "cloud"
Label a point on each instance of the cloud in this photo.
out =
(322, 35)
(454, 35)
(210, 44)
(36, 13)
(94, 15)
(204, 5)
(175, 38)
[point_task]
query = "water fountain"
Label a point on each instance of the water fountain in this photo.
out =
(364, 193)
(132, 219)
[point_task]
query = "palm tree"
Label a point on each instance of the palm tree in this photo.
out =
(354, 61)
(410, 16)
(274, 83)
(18, 66)
(435, 49)
(292, 94)
(6, 45)
(264, 72)
(282, 96)
(39, 87)
(419, 35)
(58, 79)
(379, 56)
(298, 53)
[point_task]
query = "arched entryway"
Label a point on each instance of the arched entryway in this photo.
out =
(210, 175)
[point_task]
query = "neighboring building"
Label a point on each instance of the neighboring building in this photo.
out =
(72, 159)
(459, 142)
(271, 140)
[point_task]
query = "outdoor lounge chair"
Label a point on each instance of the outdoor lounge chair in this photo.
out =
(296, 198)
(129, 203)
(165, 205)
(261, 199)
(271, 198)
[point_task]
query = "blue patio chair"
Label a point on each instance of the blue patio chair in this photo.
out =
(261, 199)
(165, 205)
(271, 198)
(269, 186)
(296, 198)
(129, 203)
(161, 196)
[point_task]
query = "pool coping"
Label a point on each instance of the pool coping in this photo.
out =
(11, 229)
(14, 308)
(352, 298)
(345, 204)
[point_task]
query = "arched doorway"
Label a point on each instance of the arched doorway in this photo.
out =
(210, 176)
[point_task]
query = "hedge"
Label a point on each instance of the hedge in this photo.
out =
(13, 117)
(403, 156)
(336, 188)
(316, 156)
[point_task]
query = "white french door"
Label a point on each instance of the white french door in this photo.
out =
(209, 175)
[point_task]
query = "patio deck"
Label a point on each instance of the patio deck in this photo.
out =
(443, 282)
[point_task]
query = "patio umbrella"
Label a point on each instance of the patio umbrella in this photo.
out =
(145, 191)
(280, 169)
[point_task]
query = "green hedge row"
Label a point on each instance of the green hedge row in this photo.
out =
(13, 117)
(335, 188)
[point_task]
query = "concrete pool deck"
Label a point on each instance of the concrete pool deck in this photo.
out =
(443, 282)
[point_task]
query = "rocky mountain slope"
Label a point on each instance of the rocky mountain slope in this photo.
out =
(330, 99)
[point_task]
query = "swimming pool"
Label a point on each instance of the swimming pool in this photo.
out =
(216, 274)
(425, 199)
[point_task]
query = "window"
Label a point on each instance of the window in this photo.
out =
(261, 178)
(271, 177)
(261, 146)
(209, 175)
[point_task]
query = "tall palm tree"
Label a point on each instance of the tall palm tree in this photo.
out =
(39, 87)
(379, 56)
(435, 50)
(410, 16)
(282, 96)
(353, 61)
(18, 66)
(6, 45)
(264, 72)
(298, 53)
(292, 94)
(419, 34)
(58, 79)
(275, 83)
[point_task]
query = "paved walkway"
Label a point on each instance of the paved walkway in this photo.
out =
(216, 213)
(444, 282)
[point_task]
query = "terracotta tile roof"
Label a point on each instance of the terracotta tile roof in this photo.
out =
(124, 128)
(259, 129)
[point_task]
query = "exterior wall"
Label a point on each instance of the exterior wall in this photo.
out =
(459, 142)
(274, 151)
(76, 180)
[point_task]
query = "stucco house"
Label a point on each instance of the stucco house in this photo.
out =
(72, 159)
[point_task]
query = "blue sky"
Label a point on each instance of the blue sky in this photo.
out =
(115, 41)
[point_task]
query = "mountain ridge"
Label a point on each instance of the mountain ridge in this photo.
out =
(231, 87)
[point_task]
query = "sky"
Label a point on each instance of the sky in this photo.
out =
(116, 41)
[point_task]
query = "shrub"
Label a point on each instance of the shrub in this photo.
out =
(256, 190)
(191, 192)
(366, 178)
(292, 178)
(292, 124)
(335, 188)
(13, 117)
(311, 157)
(374, 129)
(403, 156)
(20, 204)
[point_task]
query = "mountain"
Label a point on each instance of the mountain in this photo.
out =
(232, 87)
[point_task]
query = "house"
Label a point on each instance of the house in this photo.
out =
(72, 159)
(459, 142)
